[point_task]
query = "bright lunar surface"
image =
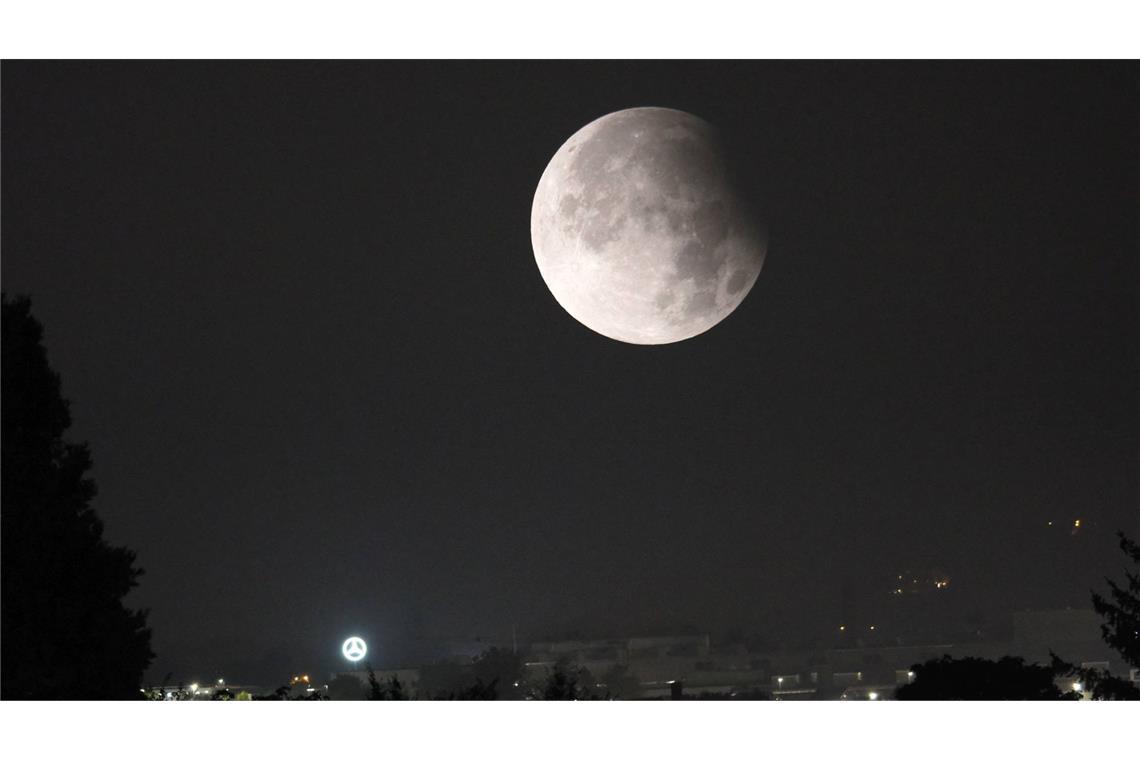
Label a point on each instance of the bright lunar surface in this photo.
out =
(637, 230)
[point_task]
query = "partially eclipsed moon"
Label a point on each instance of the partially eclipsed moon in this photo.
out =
(638, 232)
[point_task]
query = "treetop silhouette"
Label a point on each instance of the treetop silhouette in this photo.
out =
(65, 632)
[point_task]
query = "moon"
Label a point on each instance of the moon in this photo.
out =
(638, 231)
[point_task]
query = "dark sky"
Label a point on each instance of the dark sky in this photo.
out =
(297, 313)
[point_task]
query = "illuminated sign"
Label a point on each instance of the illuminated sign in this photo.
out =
(354, 649)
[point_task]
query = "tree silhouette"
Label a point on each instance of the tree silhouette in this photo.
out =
(621, 683)
(1121, 627)
(65, 631)
(972, 678)
(497, 671)
(1120, 630)
(478, 691)
(392, 689)
(567, 682)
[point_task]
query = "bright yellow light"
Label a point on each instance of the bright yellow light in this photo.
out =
(1076, 523)
(843, 628)
(873, 696)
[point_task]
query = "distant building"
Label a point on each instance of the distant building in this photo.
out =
(859, 664)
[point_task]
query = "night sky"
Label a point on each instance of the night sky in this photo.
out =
(297, 314)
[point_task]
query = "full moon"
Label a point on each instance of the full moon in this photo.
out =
(638, 231)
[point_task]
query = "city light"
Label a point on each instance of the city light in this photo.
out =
(873, 696)
(1078, 686)
(193, 688)
(843, 628)
(1076, 523)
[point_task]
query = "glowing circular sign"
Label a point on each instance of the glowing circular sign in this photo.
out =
(354, 649)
